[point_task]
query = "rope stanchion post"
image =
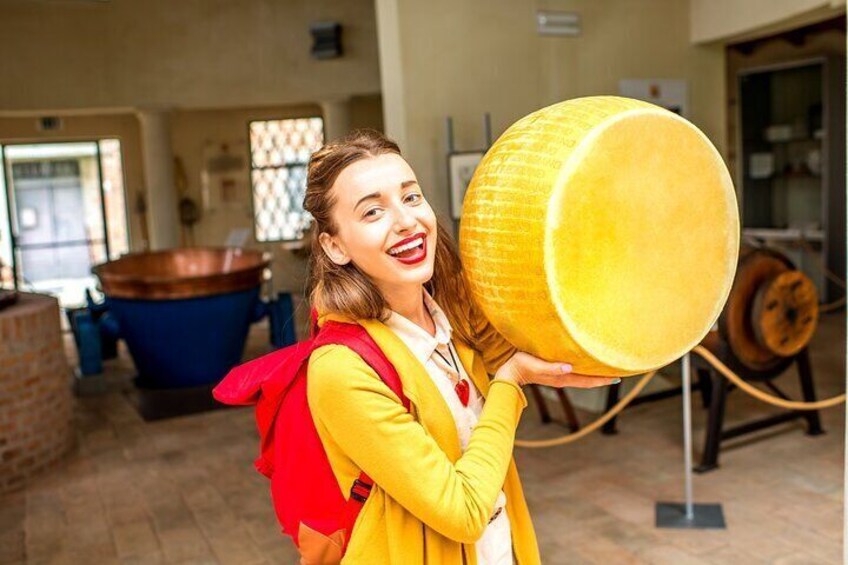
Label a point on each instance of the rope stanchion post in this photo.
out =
(712, 360)
(688, 515)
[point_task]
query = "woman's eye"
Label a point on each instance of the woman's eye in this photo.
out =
(417, 197)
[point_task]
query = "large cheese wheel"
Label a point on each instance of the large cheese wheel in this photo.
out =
(602, 231)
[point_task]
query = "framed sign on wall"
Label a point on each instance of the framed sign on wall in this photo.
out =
(461, 167)
(671, 94)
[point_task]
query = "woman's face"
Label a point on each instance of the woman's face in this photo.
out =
(378, 207)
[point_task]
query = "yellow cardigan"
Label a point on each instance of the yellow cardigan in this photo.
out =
(430, 502)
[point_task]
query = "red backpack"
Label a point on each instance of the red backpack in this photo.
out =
(304, 490)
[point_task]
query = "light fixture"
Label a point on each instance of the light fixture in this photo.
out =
(558, 23)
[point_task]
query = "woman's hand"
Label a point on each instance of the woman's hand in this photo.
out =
(523, 368)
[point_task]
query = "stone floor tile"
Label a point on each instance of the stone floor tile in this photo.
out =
(135, 539)
(185, 544)
(12, 545)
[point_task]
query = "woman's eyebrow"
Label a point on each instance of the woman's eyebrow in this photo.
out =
(376, 195)
(364, 198)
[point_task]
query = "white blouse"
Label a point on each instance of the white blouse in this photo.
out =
(495, 546)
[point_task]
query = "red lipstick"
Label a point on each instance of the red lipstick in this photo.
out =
(412, 256)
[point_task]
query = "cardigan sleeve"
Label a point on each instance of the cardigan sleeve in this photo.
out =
(363, 417)
(494, 349)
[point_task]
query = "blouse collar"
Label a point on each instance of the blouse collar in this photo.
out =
(416, 338)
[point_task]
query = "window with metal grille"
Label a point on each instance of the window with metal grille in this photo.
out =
(279, 155)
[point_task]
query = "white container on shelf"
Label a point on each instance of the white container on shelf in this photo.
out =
(778, 132)
(761, 165)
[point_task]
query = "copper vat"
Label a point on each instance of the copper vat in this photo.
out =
(188, 272)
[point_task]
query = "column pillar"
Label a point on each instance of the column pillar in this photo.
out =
(336, 118)
(158, 157)
(392, 71)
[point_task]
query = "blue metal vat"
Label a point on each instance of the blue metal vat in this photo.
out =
(184, 313)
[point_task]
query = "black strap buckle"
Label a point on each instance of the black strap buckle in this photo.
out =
(360, 491)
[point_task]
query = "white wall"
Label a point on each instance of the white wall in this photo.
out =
(722, 20)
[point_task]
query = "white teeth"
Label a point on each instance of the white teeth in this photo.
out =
(409, 245)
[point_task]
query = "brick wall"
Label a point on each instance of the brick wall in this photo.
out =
(35, 390)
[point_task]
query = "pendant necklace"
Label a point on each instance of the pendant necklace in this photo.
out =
(461, 388)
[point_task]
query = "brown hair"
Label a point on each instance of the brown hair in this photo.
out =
(344, 288)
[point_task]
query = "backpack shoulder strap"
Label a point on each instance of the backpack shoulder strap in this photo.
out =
(356, 338)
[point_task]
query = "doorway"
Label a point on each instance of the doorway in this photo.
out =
(64, 211)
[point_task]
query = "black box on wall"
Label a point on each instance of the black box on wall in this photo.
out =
(327, 40)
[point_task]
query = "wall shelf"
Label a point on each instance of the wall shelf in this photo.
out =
(800, 180)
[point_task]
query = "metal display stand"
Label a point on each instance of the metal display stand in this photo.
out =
(688, 515)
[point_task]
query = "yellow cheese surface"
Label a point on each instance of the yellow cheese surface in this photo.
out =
(602, 231)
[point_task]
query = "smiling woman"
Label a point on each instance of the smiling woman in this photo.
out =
(386, 232)
(427, 471)
(356, 188)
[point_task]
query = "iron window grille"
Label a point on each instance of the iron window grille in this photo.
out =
(279, 155)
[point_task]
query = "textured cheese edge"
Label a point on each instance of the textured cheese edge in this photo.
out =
(556, 202)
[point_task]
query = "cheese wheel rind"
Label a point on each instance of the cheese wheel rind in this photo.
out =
(602, 231)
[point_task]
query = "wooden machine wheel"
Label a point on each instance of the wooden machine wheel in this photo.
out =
(785, 313)
(770, 315)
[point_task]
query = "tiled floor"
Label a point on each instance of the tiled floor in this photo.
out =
(183, 490)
